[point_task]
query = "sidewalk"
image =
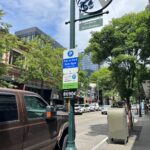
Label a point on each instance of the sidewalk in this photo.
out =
(139, 138)
(143, 143)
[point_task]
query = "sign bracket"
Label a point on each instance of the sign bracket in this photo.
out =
(89, 17)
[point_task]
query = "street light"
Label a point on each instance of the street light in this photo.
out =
(84, 6)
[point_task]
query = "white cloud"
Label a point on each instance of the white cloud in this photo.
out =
(51, 15)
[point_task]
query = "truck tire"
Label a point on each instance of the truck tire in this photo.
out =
(65, 142)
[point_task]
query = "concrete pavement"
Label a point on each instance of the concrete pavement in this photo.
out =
(143, 143)
(139, 138)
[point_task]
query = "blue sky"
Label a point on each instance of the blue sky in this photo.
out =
(50, 16)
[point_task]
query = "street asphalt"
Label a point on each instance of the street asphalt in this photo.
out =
(91, 133)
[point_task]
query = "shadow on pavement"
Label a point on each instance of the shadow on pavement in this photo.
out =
(98, 129)
(136, 131)
(101, 129)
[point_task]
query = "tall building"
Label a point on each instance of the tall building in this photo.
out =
(87, 65)
(148, 6)
(30, 33)
(14, 73)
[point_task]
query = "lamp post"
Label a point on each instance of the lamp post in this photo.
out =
(71, 136)
(86, 5)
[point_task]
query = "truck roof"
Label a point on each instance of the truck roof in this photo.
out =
(15, 90)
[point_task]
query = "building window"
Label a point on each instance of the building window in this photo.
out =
(14, 56)
(8, 108)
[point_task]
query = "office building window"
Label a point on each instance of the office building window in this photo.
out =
(14, 56)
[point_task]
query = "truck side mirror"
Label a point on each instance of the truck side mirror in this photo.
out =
(50, 112)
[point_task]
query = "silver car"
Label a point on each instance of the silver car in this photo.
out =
(105, 109)
(77, 109)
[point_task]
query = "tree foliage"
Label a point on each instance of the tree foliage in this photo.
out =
(42, 63)
(124, 45)
(7, 43)
(83, 80)
(103, 79)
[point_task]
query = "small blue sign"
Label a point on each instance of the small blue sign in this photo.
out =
(70, 63)
(70, 53)
(73, 76)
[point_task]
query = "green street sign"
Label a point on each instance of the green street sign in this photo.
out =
(70, 85)
(91, 24)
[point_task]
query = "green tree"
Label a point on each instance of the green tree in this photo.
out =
(42, 63)
(83, 78)
(83, 81)
(124, 45)
(103, 79)
(7, 43)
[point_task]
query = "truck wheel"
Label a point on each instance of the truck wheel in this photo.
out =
(65, 142)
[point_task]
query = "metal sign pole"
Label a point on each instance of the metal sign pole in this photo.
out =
(71, 136)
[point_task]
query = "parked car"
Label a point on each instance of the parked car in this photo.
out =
(87, 107)
(77, 109)
(96, 106)
(28, 122)
(105, 109)
(92, 107)
(82, 106)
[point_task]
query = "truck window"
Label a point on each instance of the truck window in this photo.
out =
(35, 107)
(8, 108)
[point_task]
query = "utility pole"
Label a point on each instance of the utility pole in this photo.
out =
(84, 6)
(71, 136)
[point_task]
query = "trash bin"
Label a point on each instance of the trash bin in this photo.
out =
(117, 124)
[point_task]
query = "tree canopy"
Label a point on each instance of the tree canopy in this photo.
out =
(103, 79)
(7, 43)
(124, 45)
(42, 63)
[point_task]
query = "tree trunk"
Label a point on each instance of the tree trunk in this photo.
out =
(129, 114)
(140, 113)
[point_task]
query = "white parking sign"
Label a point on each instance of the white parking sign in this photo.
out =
(70, 69)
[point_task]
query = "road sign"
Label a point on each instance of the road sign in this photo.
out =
(70, 69)
(93, 6)
(70, 81)
(91, 24)
(71, 53)
(104, 2)
(69, 94)
(70, 63)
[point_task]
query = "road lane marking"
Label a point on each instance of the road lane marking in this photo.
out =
(95, 147)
